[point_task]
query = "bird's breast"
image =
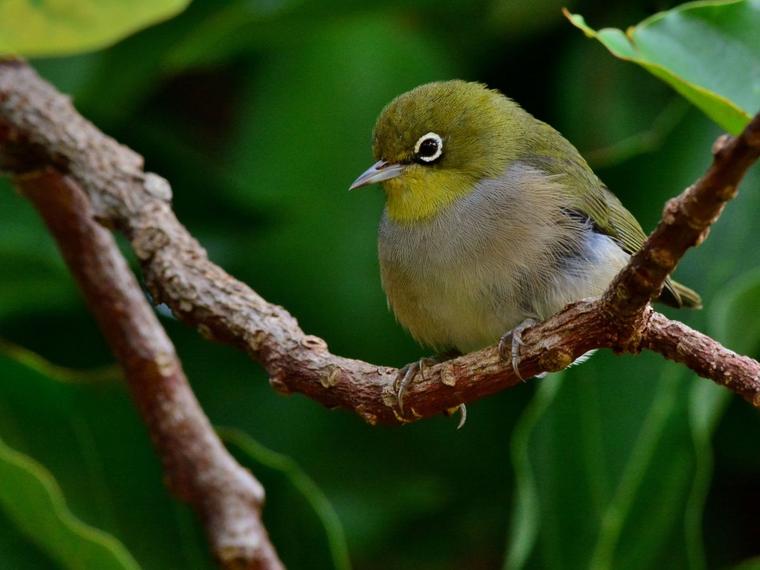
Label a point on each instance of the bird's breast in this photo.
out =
(443, 300)
(503, 253)
(453, 280)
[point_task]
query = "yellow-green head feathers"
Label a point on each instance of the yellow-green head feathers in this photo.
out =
(448, 136)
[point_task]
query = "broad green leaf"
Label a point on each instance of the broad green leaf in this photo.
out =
(689, 47)
(19, 553)
(63, 27)
(260, 456)
(33, 500)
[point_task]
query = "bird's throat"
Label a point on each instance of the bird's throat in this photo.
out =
(415, 198)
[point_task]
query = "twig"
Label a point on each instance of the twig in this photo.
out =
(703, 355)
(38, 126)
(198, 468)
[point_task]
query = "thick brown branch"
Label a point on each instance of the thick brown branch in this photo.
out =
(38, 126)
(198, 468)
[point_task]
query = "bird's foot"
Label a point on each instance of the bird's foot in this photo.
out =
(514, 339)
(462, 409)
(407, 373)
(405, 376)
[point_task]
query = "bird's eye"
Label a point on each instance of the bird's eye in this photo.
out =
(429, 148)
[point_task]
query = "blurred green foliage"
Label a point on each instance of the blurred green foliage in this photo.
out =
(688, 48)
(260, 114)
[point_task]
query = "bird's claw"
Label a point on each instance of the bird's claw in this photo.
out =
(462, 410)
(407, 373)
(515, 341)
(462, 415)
(405, 376)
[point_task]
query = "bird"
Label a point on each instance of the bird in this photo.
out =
(493, 221)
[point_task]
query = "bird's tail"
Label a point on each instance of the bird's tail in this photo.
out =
(677, 295)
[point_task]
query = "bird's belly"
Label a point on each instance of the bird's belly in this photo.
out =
(470, 305)
(448, 309)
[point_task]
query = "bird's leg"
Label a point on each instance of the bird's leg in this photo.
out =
(407, 373)
(514, 337)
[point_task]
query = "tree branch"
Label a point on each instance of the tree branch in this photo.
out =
(685, 223)
(198, 468)
(677, 342)
(38, 126)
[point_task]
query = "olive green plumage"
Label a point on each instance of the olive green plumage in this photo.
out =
(492, 217)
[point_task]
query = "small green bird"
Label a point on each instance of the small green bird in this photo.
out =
(493, 220)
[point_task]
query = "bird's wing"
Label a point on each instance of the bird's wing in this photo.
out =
(591, 198)
(612, 218)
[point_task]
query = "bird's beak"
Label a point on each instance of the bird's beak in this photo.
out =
(378, 172)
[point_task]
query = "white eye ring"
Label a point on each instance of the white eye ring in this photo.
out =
(436, 138)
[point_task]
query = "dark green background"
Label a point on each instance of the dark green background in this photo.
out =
(260, 114)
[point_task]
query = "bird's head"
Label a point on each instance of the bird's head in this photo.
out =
(434, 143)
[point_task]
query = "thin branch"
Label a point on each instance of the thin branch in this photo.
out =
(685, 223)
(38, 126)
(704, 356)
(198, 468)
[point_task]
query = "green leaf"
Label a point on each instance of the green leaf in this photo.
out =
(17, 552)
(688, 48)
(64, 27)
(33, 500)
(261, 456)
